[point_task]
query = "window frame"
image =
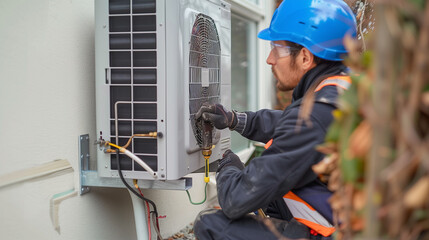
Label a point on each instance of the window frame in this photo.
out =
(261, 75)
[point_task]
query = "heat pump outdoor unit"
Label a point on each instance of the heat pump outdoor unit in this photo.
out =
(158, 62)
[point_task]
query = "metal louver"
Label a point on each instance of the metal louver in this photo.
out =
(204, 68)
(133, 79)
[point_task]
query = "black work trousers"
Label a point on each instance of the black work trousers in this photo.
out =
(213, 224)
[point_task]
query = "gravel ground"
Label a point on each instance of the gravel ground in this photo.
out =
(186, 233)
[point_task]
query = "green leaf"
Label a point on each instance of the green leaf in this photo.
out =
(419, 3)
(333, 133)
(367, 57)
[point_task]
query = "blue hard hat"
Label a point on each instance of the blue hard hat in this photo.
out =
(318, 25)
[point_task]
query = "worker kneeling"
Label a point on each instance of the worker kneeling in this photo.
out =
(306, 53)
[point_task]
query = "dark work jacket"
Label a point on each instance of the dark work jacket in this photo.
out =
(286, 165)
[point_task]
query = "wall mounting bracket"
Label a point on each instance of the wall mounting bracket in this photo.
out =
(90, 178)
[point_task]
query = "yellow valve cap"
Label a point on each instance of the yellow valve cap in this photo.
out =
(206, 179)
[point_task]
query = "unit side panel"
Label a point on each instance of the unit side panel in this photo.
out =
(177, 164)
(102, 74)
(162, 88)
(224, 24)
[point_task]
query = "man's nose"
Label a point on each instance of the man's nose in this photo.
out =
(271, 60)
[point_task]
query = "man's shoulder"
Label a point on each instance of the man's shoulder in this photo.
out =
(328, 90)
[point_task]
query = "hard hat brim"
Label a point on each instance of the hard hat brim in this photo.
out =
(265, 35)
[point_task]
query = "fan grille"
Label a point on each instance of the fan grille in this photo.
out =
(204, 68)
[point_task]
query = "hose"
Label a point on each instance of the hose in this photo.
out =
(131, 189)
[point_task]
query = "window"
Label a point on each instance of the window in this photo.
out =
(244, 95)
(251, 87)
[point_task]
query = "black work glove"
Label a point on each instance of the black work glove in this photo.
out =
(217, 115)
(230, 159)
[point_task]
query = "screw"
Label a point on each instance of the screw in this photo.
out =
(162, 169)
(160, 24)
(105, 166)
(81, 156)
(87, 138)
(81, 138)
(104, 26)
(163, 175)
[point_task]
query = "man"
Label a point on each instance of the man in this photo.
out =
(307, 48)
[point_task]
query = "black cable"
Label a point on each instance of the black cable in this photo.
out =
(131, 189)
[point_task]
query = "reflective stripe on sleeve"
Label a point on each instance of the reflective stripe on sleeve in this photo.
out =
(268, 144)
(340, 81)
(307, 215)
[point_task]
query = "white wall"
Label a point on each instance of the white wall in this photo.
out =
(47, 101)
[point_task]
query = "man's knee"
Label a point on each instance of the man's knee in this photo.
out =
(209, 222)
(204, 218)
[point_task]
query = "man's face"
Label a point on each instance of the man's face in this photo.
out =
(287, 72)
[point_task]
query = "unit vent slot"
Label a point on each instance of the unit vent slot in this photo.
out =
(144, 59)
(121, 76)
(119, 24)
(120, 59)
(144, 41)
(145, 126)
(145, 111)
(125, 161)
(144, 23)
(145, 94)
(144, 6)
(143, 145)
(120, 41)
(119, 6)
(144, 76)
(124, 128)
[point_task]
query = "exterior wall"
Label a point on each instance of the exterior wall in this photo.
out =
(46, 101)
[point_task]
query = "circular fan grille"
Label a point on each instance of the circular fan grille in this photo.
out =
(204, 68)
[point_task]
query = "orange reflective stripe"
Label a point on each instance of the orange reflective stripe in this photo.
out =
(292, 196)
(322, 230)
(307, 215)
(268, 144)
(339, 81)
(344, 78)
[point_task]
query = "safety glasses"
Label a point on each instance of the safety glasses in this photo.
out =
(280, 51)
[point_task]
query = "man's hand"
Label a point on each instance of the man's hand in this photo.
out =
(230, 159)
(217, 115)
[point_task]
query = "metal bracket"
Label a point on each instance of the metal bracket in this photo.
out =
(84, 158)
(90, 178)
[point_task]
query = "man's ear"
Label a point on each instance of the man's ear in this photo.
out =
(307, 59)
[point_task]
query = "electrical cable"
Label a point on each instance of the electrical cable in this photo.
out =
(148, 209)
(205, 196)
(133, 191)
(156, 226)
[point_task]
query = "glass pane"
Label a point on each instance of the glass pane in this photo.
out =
(254, 1)
(243, 71)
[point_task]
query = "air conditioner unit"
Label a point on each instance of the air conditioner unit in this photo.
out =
(158, 62)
